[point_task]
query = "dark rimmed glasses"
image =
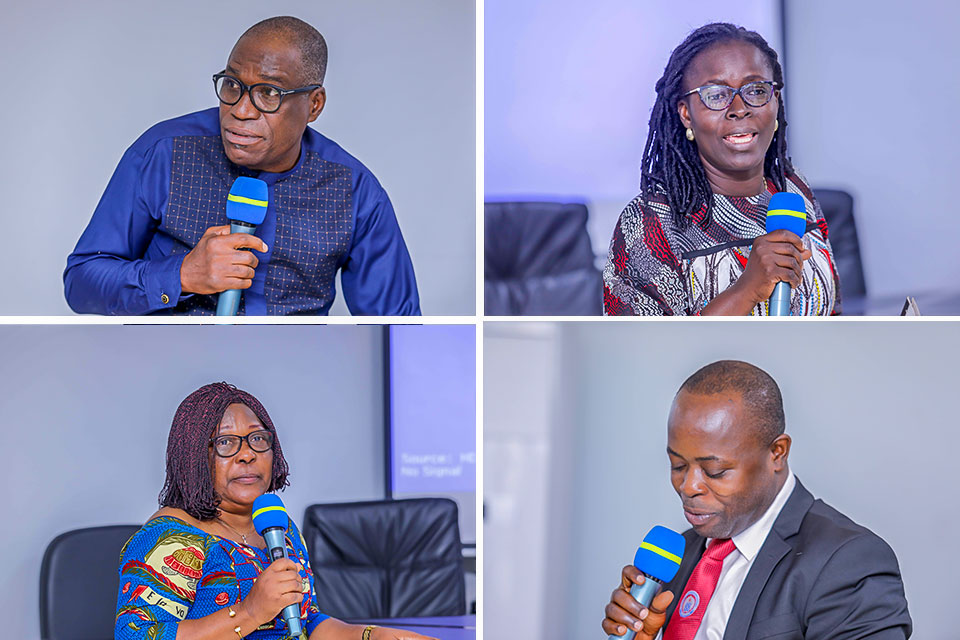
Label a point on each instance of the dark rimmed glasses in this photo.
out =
(267, 98)
(227, 446)
(718, 97)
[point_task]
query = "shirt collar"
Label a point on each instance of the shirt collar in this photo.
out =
(749, 541)
(273, 178)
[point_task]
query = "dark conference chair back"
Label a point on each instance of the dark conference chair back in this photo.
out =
(386, 559)
(538, 260)
(79, 581)
(837, 207)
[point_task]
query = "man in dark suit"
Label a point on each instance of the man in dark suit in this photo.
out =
(763, 558)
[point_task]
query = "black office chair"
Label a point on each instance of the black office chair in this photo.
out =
(837, 207)
(538, 260)
(79, 581)
(386, 559)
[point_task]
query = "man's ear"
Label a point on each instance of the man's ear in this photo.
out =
(318, 99)
(780, 451)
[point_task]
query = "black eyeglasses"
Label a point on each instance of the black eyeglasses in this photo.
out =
(228, 446)
(267, 98)
(718, 97)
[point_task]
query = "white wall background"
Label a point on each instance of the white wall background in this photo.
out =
(87, 410)
(87, 78)
(869, 95)
(869, 406)
(526, 439)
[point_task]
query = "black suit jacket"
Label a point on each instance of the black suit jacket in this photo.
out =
(818, 575)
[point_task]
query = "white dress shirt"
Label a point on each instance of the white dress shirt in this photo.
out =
(737, 564)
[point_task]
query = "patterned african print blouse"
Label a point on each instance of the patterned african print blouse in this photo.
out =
(656, 268)
(171, 571)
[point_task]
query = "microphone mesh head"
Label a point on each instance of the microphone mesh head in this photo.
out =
(269, 512)
(787, 211)
(248, 200)
(660, 553)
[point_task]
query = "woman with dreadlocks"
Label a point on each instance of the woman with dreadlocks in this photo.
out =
(198, 569)
(693, 241)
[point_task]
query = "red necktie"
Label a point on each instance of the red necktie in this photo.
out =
(689, 612)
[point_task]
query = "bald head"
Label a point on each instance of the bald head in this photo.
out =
(309, 42)
(759, 392)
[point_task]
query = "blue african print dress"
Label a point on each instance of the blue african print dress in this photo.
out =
(171, 571)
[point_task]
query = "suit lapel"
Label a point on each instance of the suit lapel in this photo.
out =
(695, 546)
(774, 548)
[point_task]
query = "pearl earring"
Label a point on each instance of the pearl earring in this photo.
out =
(689, 134)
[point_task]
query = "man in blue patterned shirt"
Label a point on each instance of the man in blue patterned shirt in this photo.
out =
(160, 242)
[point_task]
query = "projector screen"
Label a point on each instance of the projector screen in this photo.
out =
(431, 417)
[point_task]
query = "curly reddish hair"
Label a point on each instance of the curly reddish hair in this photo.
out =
(189, 482)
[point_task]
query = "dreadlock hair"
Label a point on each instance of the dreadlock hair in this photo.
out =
(189, 482)
(670, 162)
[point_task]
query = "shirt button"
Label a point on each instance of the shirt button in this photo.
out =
(164, 298)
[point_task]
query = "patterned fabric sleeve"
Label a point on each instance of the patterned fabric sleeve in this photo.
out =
(642, 275)
(827, 249)
(159, 570)
(308, 609)
(817, 239)
(377, 277)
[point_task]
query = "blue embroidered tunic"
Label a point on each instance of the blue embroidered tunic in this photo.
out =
(327, 213)
(171, 571)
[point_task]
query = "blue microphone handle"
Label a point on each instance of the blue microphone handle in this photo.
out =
(277, 547)
(644, 594)
(229, 301)
(780, 300)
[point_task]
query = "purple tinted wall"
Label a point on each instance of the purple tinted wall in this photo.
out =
(568, 87)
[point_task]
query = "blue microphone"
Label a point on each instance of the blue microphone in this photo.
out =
(246, 208)
(270, 520)
(785, 211)
(658, 558)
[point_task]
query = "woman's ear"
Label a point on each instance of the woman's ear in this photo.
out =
(684, 111)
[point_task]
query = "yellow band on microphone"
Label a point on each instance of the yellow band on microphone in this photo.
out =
(660, 552)
(256, 203)
(265, 509)
(788, 212)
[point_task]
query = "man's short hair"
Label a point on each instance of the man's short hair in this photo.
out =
(312, 46)
(760, 393)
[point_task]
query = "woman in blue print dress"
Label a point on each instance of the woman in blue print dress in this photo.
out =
(198, 570)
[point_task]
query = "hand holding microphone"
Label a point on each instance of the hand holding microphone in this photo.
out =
(625, 615)
(277, 587)
(220, 261)
(284, 592)
(637, 608)
(775, 266)
(775, 258)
